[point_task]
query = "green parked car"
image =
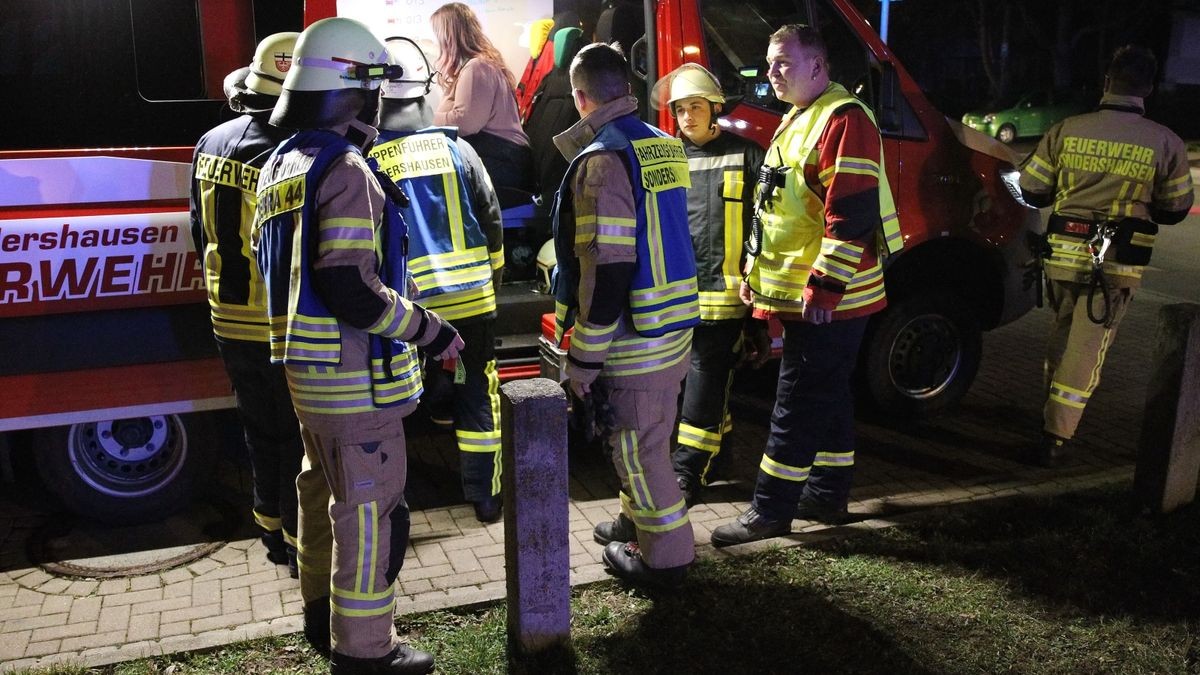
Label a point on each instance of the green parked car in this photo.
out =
(1029, 115)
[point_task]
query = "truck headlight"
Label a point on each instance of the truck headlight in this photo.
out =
(1012, 181)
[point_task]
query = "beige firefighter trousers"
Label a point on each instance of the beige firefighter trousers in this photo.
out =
(1075, 352)
(353, 529)
(639, 428)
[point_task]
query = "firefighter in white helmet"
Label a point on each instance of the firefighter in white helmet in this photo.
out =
(456, 249)
(347, 337)
(224, 180)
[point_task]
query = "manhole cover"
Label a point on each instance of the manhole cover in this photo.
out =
(81, 548)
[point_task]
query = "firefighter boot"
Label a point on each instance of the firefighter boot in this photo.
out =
(624, 560)
(488, 509)
(619, 529)
(690, 487)
(809, 508)
(1049, 451)
(403, 660)
(316, 624)
(750, 526)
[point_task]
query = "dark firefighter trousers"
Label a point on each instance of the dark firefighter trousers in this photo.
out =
(810, 446)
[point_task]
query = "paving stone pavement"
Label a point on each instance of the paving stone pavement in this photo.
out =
(234, 594)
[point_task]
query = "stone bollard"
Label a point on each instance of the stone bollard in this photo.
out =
(536, 530)
(1169, 451)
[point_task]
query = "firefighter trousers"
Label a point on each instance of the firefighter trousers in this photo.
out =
(704, 422)
(354, 526)
(476, 406)
(272, 432)
(810, 445)
(637, 425)
(1075, 352)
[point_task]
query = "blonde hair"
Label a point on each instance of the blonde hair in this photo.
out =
(460, 38)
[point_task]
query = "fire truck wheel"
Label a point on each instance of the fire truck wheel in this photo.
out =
(124, 471)
(920, 355)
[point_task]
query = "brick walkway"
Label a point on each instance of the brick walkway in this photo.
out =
(234, 593)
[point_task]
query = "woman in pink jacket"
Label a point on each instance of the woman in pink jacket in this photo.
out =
(480, 101)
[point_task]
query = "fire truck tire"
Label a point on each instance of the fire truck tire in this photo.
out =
(125, 471)
(920, 355)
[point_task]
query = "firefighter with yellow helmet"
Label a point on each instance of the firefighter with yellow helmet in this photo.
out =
(224, 179)
(330, 242)
(456, 249)
(1111, 176)
(719, 206)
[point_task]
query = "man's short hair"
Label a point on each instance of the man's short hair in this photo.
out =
(600, 71)
(806, 35)
(1132, 70)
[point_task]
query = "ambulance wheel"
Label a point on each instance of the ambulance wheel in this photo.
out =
(125, 471)
(920, 355)
(1006, 134)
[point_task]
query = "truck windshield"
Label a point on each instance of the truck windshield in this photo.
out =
(736, 33)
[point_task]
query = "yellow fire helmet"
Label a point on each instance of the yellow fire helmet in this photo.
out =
(686, 81)
(271, 63)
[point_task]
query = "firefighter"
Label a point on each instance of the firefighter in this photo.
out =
(1110, 175)
(224, 178)
(627, 285)
(824, 213)
(330, 243)
(720, 202)
(456, 249)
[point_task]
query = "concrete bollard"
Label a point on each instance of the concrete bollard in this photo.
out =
(1169, 451)
(536, 530)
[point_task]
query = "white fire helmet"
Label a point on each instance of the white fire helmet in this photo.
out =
(547, 259)
(271, 63)
(686, 81)
(416, 77)
(338, 53)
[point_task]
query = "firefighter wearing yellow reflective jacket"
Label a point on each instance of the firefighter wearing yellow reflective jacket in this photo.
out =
(626, 283)
(331, 249)
(456, 248)
(224, 180)
(1109, 172)
(722, 168)
(824, 218)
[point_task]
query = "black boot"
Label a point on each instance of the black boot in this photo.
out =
(316, 624)
(403, 660)
(824, 512)
(750, 526)
(690, 487)
(619, 529)
(1049, 451)
(488, 509)
(625, 561)
(276, 546)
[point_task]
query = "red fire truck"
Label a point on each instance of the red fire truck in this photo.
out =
(109, 372)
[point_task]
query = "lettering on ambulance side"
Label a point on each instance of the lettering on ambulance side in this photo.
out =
(96, 262)
(664, 163)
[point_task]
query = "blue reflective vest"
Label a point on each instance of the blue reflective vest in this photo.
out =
(448, 251)
(307, 333)
(663, 296)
